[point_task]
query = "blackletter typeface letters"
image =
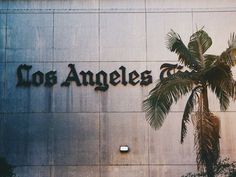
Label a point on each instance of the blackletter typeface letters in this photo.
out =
(101, 80)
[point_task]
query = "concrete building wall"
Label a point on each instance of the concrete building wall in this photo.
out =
(77, 131)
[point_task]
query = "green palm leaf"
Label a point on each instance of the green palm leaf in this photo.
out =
(198, 44)
(222, 95)
(188, 110)
(210, 60)
(175, 44)
(216, 73)
(229, 55)
(206, 71)
(166, 92)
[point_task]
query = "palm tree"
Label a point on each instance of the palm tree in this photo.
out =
(203, 72)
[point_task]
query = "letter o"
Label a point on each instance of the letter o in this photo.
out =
(37, 78)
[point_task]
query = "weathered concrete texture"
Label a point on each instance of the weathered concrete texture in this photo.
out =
(120, 171)
(77, 131)
(25, 138)
(2, 84)
(75, 171)
(50, 139)
(2, 36)
(227, 133)
(171, 170)
(179, 4)
(166, 148)
(76, 139)
(37, 171)
(121, 41)
(130, 99)
(21, 99)
(3, 4)
(219, 29)
(59, 4)
(29, 37)
(124, 4)
(76, 37)
(75, 98)
(124, 129)
(158, 25)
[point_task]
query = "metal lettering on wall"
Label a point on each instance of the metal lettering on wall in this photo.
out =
(100, 80)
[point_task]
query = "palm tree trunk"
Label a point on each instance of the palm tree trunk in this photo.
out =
(206, 111)
(205, 99)
(210, 170)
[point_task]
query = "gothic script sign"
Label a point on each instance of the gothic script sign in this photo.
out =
(100, 80)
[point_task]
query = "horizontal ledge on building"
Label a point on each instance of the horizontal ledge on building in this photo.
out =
(103, 165)
(90, 61)
(103, 112)
(121, 10)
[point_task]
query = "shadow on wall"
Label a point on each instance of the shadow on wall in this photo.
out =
(6, 170)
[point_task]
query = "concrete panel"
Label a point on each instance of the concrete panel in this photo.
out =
(171, 170)
(75, 98)
(2, 36)
(25, 138)
(219, 30)
(76, 139)
(33, 171)
(122, 37)
(76, 37)
(122, 98)
(158, 25)
(182, 4)
(2, 84)
(55, 4)
(27, 99)
(165, 146)
(75, 171)
(29, 37)
(120, 171)
(3, 4)
(122, 5)
(228, 136)
(124, 129)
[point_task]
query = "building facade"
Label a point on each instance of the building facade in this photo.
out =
(76, 130)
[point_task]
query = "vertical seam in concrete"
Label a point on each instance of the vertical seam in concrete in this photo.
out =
(53, 42)
(5, 62)
(51, 139)
(7, 5)
(4, 85)
(53, 59)
(192, 19)
(99, 99)
(146, 50)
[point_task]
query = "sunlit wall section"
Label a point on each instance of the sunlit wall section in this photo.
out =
(76, 130)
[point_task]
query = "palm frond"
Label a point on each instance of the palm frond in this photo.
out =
(220, 79)
(229, 55)
(226, 58)
(232, 41)
(165, 93)
(198, 44)
(187, 111)
(210, 60)
(222, 95)
(175, 44)
(217, 72)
